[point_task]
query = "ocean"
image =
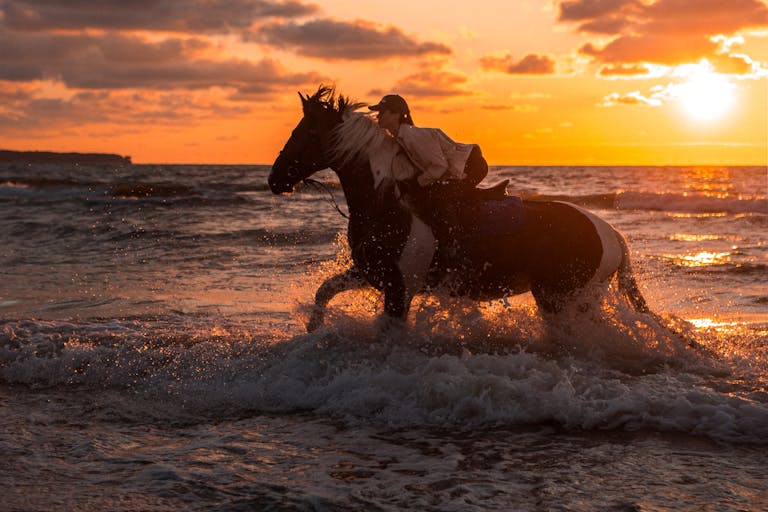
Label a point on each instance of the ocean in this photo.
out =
(153, 355)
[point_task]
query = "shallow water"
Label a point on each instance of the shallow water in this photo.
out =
(153, 355)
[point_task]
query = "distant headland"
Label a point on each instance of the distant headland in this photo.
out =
(50, 157)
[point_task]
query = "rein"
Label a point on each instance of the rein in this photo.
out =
(320, 186)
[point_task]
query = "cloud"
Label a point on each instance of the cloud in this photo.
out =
(28, 108)
(356, 40)
(656, 48)
(428, 84)
(115, 61)
(736, 64)
(666, 32)
(704, 17)
(176, 15)
(624, 70)
(598, 16)
(579, 10)
(632, 98)
(531, 64)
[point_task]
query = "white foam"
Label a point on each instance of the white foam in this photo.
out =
(583, 377)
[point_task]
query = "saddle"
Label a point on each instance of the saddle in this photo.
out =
(488, 213)
(481, 212)
(494, 217)
(495, 192)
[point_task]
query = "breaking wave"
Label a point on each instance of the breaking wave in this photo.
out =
(628, 373)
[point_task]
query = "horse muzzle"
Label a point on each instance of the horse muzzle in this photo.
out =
(279, 185)
(283, 177)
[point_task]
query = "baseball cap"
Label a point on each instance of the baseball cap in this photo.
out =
(393, 103)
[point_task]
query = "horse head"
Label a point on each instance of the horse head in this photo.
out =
(307, 150)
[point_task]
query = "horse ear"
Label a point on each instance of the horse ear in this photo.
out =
(304, 101)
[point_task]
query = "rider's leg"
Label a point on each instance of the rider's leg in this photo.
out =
(448, 204)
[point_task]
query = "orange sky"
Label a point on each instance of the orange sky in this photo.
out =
(531, 81)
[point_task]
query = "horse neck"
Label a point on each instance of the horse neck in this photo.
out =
(353, 139)
(357, 183)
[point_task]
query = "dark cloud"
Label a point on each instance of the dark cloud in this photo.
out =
(608, 25)
(23, 109)
(583, 10)
(356, 40)
(19, 71)
(704, 17)
(428, 83)
(166, 15)
(116, 61)
(532, 64)
(664, 31)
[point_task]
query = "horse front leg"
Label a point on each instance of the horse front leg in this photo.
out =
(350, 279)
(409, 274)
(397, 302)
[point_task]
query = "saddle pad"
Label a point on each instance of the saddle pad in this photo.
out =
(498, 217)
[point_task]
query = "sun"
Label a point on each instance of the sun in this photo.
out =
(706, 96)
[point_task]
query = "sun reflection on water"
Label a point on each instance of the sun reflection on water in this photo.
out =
(709, 181)
(697, 215)
(711, 323)
(688, 237)
(701, 259)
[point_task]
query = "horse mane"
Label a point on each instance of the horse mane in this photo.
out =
(326, 98)
(357, 134)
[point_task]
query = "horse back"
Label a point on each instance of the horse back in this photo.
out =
(563, 243)
(557, 247)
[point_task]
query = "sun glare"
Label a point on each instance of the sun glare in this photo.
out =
(706, 96)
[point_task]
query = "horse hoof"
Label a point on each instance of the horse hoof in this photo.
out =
(390, 328)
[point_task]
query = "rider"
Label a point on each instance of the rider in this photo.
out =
(446, 170)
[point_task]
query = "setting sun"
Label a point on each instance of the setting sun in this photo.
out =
(706, 96)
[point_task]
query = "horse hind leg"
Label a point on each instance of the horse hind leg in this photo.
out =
(548, 301)
(350, 279)
(626, 279)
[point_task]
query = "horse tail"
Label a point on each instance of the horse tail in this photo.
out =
(626, 277)
(628, 286)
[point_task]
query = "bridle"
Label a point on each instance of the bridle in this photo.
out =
(320, 186)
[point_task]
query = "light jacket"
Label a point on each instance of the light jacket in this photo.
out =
(436, 155)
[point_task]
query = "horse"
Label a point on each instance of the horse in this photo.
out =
(558, 251)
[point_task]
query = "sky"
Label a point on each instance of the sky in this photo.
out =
(533, 82)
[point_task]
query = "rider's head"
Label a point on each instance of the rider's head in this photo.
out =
(392, 112)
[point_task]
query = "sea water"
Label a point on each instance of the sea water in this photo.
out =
(153, 354)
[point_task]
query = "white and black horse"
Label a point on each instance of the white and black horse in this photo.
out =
(558, 251)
